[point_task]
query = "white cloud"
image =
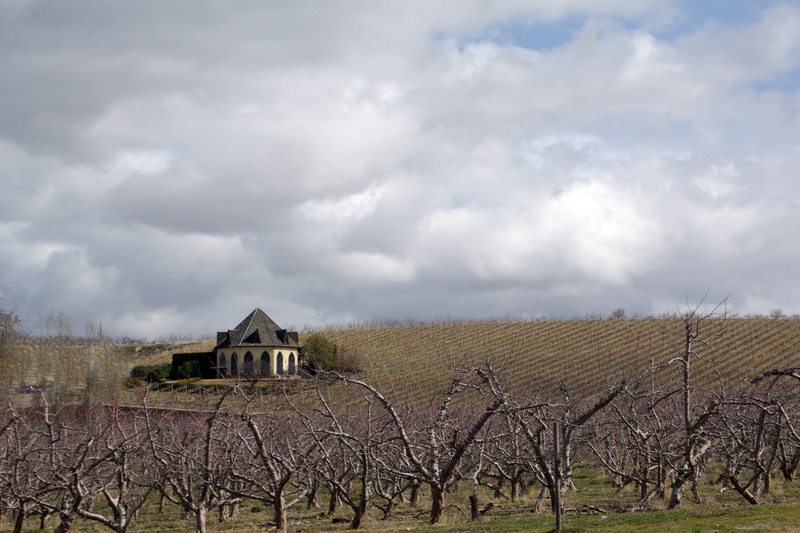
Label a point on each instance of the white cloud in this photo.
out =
(166, 168)
(348, 209)
(604, 232)
(142, 162)
(372, 268)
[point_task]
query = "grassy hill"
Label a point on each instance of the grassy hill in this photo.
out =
(159, 354)
(586, 354)
(412, 360)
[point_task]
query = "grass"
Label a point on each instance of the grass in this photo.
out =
(701, 519)
(720, 512)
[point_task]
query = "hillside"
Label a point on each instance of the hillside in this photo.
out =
(73, 363)
(412, 360)
(159, 354)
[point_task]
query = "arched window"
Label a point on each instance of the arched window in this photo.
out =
(292, 368)
(222, 366)
(279, 364)
(265, 370)
(248, 364)
(234, 365)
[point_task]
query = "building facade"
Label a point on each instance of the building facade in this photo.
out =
(257, 347)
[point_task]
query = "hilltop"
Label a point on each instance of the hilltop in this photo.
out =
(413, 359)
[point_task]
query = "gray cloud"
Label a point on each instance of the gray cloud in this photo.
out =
(168, 167)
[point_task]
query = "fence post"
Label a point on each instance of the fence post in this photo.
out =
(557, 472)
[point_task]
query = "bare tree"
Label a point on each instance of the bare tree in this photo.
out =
(188, 449)
(20, 448)
(747, 439)
(59, 465)
(127, 480)
(8, 332)
(634, 440)
(274, 452)
(695, 415)
(786, 403)
(433, 453)
(10, 367)
(347, 445)
(535, 419)
(666, 428)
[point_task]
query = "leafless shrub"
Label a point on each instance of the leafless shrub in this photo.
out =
(349, 360)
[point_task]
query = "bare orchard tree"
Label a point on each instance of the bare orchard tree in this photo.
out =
(506, 459)
(69, 461)
(389, 487)
(273, 453)
(697, 410)
(747, 432)
(430, 449)
(347, 444)
(535, 421)
(22, 445)
(127, 479)
(634, 439)
(189, 451)
(784, 397)
(664, 423)
(789, 445)
(60, 462)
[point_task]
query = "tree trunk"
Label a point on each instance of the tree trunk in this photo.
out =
(355, 523)
(645, 501)
(332, 503)
(678, 488)
(19, 521)
(201, 519)
(514, 488)
(280, 514)
(312, 496)
(363, 501)
(697, 499)
(437, 507)
(773, 454)
(746, 494)
(66, 523)
(43, 518)
(474, 513)
(537, 506)
(387, 511)
(524, 487)
(498, 492)
(643, 468)
(415, 493)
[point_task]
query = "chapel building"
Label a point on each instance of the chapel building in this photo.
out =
(257, 347)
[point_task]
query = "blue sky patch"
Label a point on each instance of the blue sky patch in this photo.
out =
(534, 36)
(538, 36)
(788, 82)
(695, 14)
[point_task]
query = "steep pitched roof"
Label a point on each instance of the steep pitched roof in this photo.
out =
(257, 330)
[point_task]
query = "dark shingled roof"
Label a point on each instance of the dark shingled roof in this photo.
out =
(257, 330)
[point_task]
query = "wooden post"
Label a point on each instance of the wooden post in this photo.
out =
(557, 476)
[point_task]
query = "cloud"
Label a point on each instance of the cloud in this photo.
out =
(167, 167)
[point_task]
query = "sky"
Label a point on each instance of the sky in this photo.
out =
(167, 167)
